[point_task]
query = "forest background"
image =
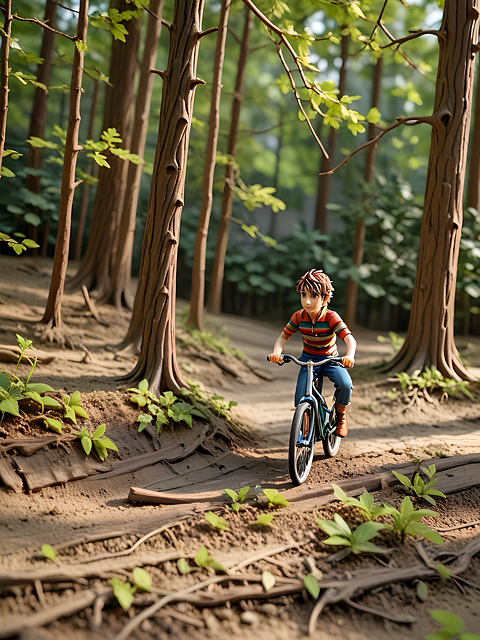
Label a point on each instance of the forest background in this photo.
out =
(285, 217)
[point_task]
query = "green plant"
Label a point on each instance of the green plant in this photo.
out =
(216, 521)
(183, 566)
(406, 521)
(356, 541)
(49, 552)
(395, 340)
(275, 499)
(452, 627)
(431, 378)
(18, 245)
(100, 443)
(72, 407)
(371, 509)
(311, 585)
(419, 487)
(263, 520)
(237, 498)
(123, 591)
(204, 559)
(220, 406)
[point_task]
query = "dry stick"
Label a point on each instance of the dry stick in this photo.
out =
(262, 556)
(180, 616)
(95, 538)
(120, 554)
(459, 526)
(91, 306)
(40, 594)
(383, 614)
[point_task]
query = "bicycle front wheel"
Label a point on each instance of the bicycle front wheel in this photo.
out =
(302, 442)
(331, 443)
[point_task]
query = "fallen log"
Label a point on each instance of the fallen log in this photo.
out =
(11, 354)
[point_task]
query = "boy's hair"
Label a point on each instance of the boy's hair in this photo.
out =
(317, 282)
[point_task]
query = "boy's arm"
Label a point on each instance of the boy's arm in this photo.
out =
(349, 360)
(276, 355)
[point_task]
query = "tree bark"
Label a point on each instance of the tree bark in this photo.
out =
(473, 191)
(323, 185)
(7, 28)
(117, 290)
(82, 216)
(153, 315)
(95, 268)
(430, 339)
(351, 293)
(52, 317)
(197, 297)
(39, 109)
(214, 304)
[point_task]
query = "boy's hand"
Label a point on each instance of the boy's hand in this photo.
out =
(275, 357)
(348, 362)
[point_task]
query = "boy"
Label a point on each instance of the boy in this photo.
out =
(319, 328)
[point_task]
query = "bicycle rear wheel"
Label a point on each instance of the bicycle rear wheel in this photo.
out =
(331, 443)
(300, 451)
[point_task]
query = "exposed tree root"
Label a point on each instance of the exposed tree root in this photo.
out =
(51, 334)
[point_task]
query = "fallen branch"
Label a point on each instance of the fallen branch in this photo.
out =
(406, 619)
(475, 523)
(91, 306)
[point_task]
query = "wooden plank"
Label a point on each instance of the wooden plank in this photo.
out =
(9, 476)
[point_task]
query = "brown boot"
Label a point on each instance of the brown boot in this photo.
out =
(342, 428)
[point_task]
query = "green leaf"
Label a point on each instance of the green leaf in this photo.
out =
(143, 386)
(311, 585)
(107, 443)
(242, 493)
(422, 591)
(366, 531)
(70, 414)
(183, 566)
(86, 444)
(216, 521)
(202, 557)
(98, 433)
(56, 425)
(268, 580)
(444, 571)
(420, 529)
(49, 552)
(330, 528)
(373, 116)
(449, 620)
(50, 402)
(338, 540)
(39, 387)
(275, 499)
(80, 411)
(142, 579)
(123, 592)
(263, 520)
(10, 406)
(100, 449)
(232, 494)
(342, 524)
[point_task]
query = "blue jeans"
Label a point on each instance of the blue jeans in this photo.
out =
(338, 375)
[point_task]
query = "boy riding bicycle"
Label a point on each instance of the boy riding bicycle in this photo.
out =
(319, 328)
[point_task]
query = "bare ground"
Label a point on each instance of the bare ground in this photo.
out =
(382, 432)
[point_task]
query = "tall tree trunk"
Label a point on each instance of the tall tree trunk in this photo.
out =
(351, 293)
(52, 317)
(323, 184)
(430, 339)
(473, 191)
(95, 268)
(197, 298)
(38, 118)
(7, 29)
(82, 216)
(117, 289)
(153, 315)
(214, 304)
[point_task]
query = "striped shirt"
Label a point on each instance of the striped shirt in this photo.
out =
(319, 337)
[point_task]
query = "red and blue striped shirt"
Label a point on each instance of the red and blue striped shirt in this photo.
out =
(319, 336)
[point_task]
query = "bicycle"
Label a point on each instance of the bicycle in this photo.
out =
(312, 421)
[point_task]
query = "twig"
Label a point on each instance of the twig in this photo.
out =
(91, 306)
(126, 552)
(267, 554)
(468, 582)
(40, 594)
(417, 34)
(173, 539)
(42, 24)
(97, 610)
(459, 526)
(183, 617)
(95, 538)
(406, 619)
(460, 588)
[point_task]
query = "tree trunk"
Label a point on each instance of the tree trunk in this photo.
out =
(39, 110)
(323, 185)
(197, 298)
(52, 317)
(7, 29)
(117, 289)
(351, 293)
(473, 191)
(430, 339)
(82, 216)
(153, 315)
(215, 293)
(95, 268)
(272, 230)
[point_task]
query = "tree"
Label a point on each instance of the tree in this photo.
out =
(197, 298)
(95, 267)
(430, 336)
(7, 30)
(52, 317)
(153, 317)
(473, 186)
(216, 281)
(117, 288)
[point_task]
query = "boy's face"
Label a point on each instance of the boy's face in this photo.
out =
(312, 302)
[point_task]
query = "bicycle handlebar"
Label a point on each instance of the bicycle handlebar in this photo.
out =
(288, 358)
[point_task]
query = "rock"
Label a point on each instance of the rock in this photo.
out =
(249, 617)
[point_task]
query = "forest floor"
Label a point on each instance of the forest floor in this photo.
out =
(92, 517)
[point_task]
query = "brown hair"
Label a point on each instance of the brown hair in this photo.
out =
(317, 282)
